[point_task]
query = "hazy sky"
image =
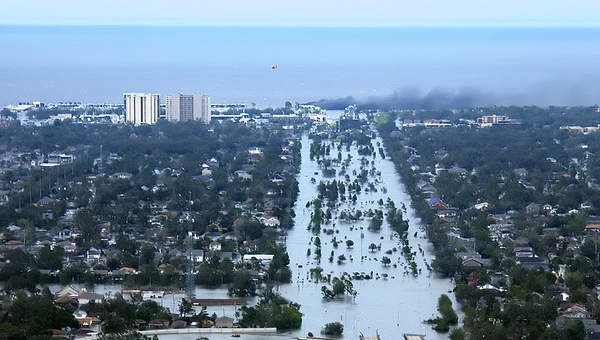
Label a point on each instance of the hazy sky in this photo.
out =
(301, 12)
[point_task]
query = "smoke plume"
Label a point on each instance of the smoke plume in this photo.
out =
(413, 99)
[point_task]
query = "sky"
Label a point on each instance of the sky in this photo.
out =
(345, 13)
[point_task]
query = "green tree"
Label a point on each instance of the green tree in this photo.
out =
(242, 284)
(50, 259)
(185, 308)
(333, 329)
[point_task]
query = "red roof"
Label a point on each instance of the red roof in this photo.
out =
(159, 322)
(13, 243)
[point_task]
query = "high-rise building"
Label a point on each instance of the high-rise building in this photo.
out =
(202, 110)
(141, 108)
(182, 107)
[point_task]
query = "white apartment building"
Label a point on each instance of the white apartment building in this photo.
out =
(181, 107)
(141, 108)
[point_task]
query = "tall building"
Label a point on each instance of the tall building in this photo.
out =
(141, 108)
(183, 107)
(202, 110)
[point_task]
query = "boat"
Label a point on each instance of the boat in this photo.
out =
(235, 335)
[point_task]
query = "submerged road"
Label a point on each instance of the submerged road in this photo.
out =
(393, 305)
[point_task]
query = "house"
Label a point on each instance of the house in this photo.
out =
(574, 310)
(214, 246)
(593, 224)
(213, 162)
(501, 231)
(447, 214)
(93, 255)
(523, 252)
(126, 270)
(276, 179)
(68, 302)
(224, 322)
(13, 228)
(255, 151)
(490, 287)
(152, 294)
(86, 297)
(481, 206)
(533, 208)
(179, 324)
(69, 247)
(166, 268)
(89, 321)
(569, 312)
(531, 262)
(243, 175)
(63, 235)
(261, 258)
(271, 221)
(473, 262)
(196, 255)
(520, 172)
(13, 244)
(46, 201)
(158, 324)
(121, 176)
(214, 235)
(251, 246)
(68, 291)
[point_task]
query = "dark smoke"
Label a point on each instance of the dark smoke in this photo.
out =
(413, 99)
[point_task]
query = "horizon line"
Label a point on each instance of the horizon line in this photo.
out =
(508, 25)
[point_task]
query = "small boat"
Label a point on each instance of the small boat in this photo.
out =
(235, 335)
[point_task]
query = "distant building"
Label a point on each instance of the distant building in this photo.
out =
(487, 121)
(262, 258)
(224, 108)
(182, 108)
(141, 108)
(581, 129)
(437, 123)
(493, 119)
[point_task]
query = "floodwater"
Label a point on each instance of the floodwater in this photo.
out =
(392, 305)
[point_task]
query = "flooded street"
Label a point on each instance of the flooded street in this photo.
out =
(393, 305)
